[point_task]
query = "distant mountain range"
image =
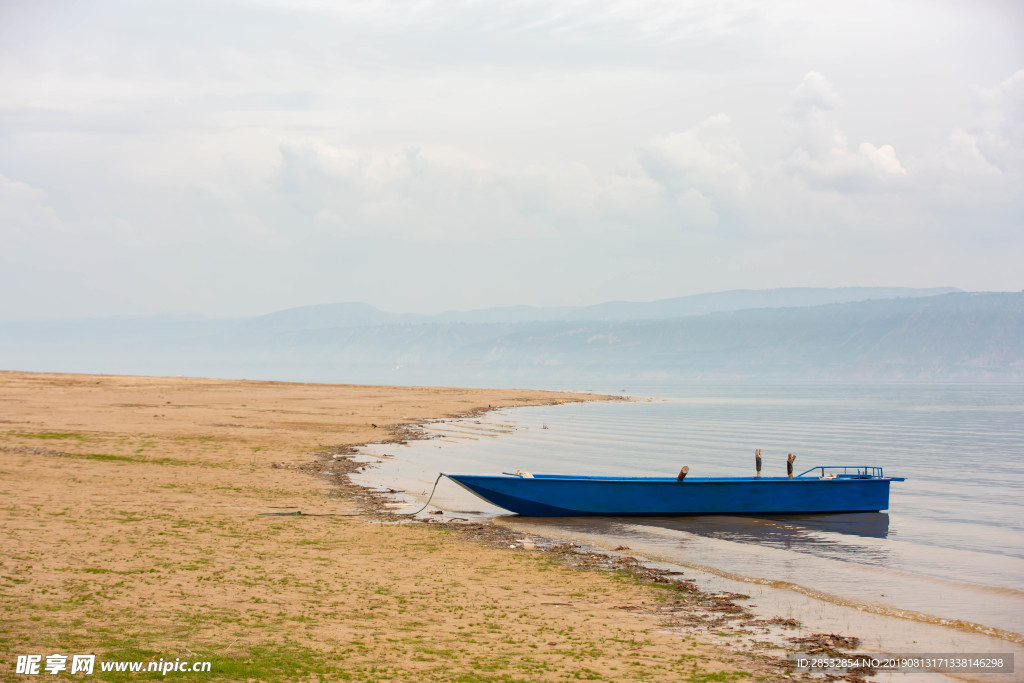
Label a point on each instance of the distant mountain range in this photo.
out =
(848, 333)
(360, 314)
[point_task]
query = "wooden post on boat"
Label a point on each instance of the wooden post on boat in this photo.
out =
(757, 462)
(683, 472)
(789, 465)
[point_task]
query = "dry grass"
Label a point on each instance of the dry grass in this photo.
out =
(130, 530)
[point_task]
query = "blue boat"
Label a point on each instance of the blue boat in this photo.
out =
(833, 489)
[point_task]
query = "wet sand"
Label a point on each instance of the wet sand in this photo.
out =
(132, 529)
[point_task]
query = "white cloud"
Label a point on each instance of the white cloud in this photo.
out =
(422, 196)
(963, 156)
(977, 177)
(630, 195)
(707, 157)
(627, 149)
(815, 93)
(697, 210)
(999, 133)
(413, 194)
(23, 211)
(823, 158)
(704, 173)
(882, 159)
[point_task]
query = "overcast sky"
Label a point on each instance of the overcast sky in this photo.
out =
(239, 157)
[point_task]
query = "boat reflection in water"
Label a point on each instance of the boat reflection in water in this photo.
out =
(870, 524)
(835, 536)
(778, 530)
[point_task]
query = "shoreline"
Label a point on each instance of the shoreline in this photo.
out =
(701, 610)
(882, 625)
(132, 531)
(961, 624)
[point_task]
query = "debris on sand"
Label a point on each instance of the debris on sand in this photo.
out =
(831, 644)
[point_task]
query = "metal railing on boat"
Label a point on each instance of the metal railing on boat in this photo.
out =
(846, 472)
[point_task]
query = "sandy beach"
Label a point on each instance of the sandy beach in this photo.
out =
(132, 529)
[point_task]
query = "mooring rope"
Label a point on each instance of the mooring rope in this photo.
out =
(429, 498)
(352, 514)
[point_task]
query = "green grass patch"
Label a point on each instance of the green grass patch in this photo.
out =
(103, 457)
(106, 457)
(62, 436)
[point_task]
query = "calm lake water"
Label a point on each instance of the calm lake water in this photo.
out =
(949, 552)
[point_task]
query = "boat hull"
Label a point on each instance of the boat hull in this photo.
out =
(561, 496)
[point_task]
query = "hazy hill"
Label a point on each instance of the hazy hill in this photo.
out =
(354, 314)
(739, 299)
(947, 336)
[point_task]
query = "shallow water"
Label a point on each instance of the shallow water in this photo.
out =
(949, 552)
